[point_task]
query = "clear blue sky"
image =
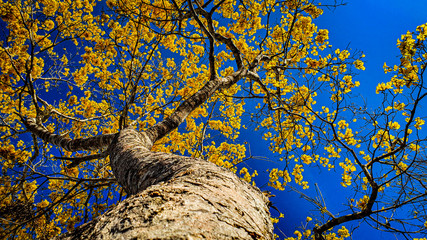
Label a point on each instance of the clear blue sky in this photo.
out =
(371, 26)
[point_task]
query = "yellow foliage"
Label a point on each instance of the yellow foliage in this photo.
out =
(348, 168)
(362, 203)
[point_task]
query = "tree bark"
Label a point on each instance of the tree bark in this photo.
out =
(176, 197)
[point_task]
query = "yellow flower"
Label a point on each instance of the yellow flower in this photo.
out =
(44, 203)
(298, 233)
(49, 25)
(418, 123)
(393, 125)
(359, 65)
(72, 100)
(343, 232)
(361, 204)
(307, 233)
(306, 159)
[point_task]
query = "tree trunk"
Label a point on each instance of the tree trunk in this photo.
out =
(176, 197)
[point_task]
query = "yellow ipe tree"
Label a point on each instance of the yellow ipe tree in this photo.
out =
(121, 120)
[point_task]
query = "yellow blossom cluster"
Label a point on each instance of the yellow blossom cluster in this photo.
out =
(418, 123)
(359, 64)
(275, 174)
(408, 72)
(383, 138)
(348, 168)
(362, 203)
(400, 167)
(341, 234)
(246, 175)
(297, 173)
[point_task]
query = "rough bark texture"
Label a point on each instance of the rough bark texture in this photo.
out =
(176, 197)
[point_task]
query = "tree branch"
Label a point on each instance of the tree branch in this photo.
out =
(162, 128)
(77, 160)
(79, 144)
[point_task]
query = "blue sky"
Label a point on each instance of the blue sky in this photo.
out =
(373, 27)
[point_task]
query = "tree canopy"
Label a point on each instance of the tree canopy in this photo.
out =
(88, 68)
